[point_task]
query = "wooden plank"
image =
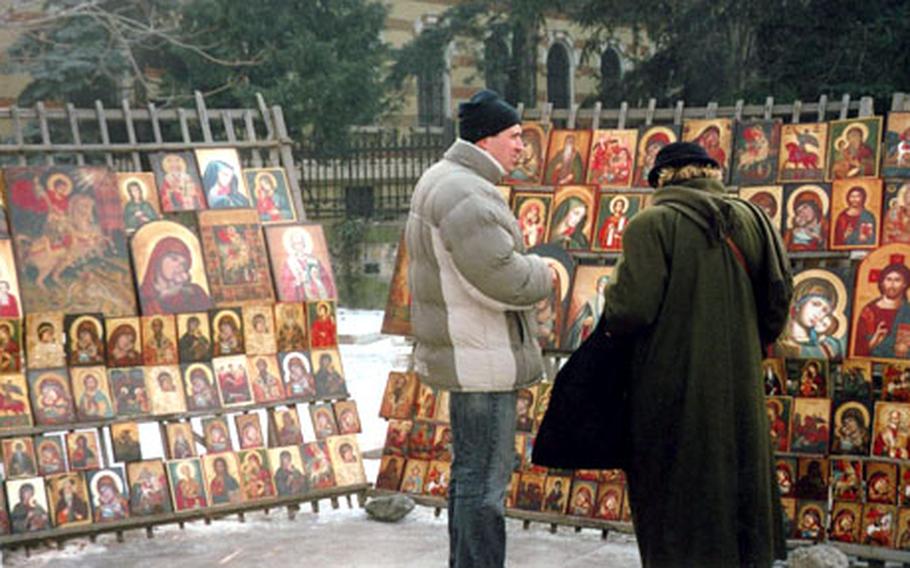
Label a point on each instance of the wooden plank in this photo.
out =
(131, 134)
(711, 110)
(251, 136)
(737, 112)
(678, 112)
(546, 113)
(228, 120)
(822, 108)
(521, 109)
(769, 108)
(573, 115)
(74, 131)
(287, 162)
(623, 115)
(595, 116)
(18, 133)
(156, 125)
(203, 115)
(105, 135)
(45, 131)
(184, 124)
(649, 113)
(866, 106)
(797, 110)
(274, 158)
(844, 106)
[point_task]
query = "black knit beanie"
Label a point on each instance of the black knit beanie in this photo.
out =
(486, 114)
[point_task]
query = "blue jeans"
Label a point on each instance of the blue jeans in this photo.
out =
(483, 447)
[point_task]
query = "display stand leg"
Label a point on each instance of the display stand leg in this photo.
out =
(91, 538)
(334, 501)
(553, 527)
(292, 511)
(208, 520)
(181, 525)
(120, 536)
(526, 525)
(315, 506)
(603, 534)
(876, 563)
(362, 499)
(437, 511)
(241, 517)
(350, 503)
(60, 544)
(149, 532)
(577, 530)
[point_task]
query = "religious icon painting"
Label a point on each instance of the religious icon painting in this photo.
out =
(159, 340)
(259, 329)
(194, 343)
(19, 458)
(572, 217)
(91, 393)
(854, 146)
(300, 263)
(442, 407)
(323, 324)
(265, 378)
(71, 254)
(532, 210)
(181, 441)
(222, 476)
(123, 342)
(582, 498)
(522, 459)
(10, 345)
(903, 530)
(10, 298)
(550, 313)
(529, 496)
(609, 501)
(878, 525)
(347, 417)
(323, 419)
(651, 140)
(903, 485)
(854, 382)
(27, 502)
(810, 426)
(255, 480)
(567, 156)
(715, 135)
(249, 431)
(788, 506)
(852, 429)
(286, 468)
(44, 339)
(778, 409)
(187, 484)
(529, 166)
(50, 453)
(436, 482)
(233, 378)
(524, 410)
(611, 162)
(222, 179)
(810, 520)
(200, 387)
(235, 259)
(846, 522)
(82, 450)
(756, 146)
(812, 478)
(69, 500)
(397, 317)
(125, 442)
(817, 324)
(512, 490)
(165, 390)
(891, 430)
(129, 391)
(896, 158)
(390, 473)
(148, 488)
(556, 494)
(855, 213)
(139, 199)
(806, 218)
(227, 332)
(52, 400)
(109, 495)
(170, 272)
(614, 211)
(770, 198)
(329, 375)
(896, 212)
(396, 439)
(317, 465)
(775, 375)
(284, 427)
(425, 403)
(785, 473)
(177, 179)
(85, 339)
(271, 194)
(297, 376)
(895, 382)
(881, 482)
(586, 303)
(803, 152)
(217, 434)
(15, 407)
(847, 479)
(442, 443)
(587, 475)
(399, 397)
(808, 378)
(347, 464)
(420, 440)
(881, 314)
(290, 320)
(544, 391)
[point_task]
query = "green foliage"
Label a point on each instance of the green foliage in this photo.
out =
(347, 239)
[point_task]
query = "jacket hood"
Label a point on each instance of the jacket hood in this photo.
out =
(704, 201)
(470, 156)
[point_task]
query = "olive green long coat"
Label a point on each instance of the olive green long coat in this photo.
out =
(701, 477)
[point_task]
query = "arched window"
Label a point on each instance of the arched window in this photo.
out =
(610, 77)
(558, 76)
(431, 98)
(496, 63)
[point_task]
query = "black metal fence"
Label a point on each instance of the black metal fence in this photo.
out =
(373, 177)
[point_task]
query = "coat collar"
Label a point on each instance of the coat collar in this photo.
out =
(476, 159)
(705, 200)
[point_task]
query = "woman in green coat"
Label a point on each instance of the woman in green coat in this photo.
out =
(704, 284)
